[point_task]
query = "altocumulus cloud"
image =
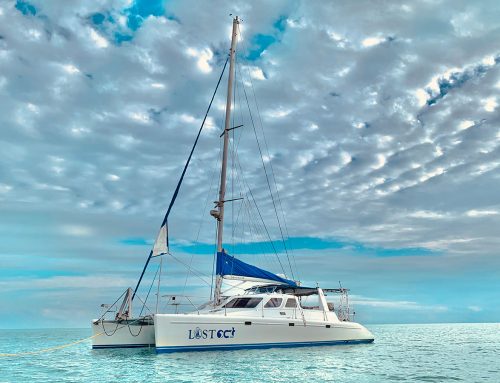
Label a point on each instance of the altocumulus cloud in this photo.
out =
(382, 122)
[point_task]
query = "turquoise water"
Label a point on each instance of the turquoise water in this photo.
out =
(413, 353)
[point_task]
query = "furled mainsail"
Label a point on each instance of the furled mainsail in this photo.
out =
(229, 265)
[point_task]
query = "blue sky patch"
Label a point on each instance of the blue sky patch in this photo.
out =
(280, 24)
(136, 241)
(25, 7)
(135, 14)
(456, 80)
(295, 243)
(37, 273)
(142, 9)
(121, 37)
(260, 42)
(97, 18)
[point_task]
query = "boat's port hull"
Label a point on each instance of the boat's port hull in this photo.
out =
(130, 333)
(176, 333)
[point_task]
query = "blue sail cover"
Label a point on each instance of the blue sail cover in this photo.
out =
(228, 265)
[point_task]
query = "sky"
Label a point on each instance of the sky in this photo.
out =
(382, 128)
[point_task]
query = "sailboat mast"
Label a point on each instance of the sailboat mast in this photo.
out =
(222, 190)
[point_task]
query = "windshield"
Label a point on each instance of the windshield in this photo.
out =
(263, 289)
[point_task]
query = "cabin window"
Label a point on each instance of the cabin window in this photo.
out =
(273, 302)
(291, 302)
(239, 303)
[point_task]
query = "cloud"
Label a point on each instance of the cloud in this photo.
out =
(427, 214)
(372, 41)
(381, 128)
(67, 282)
(475, 308)
(99, 41)
(481, 213)
(78, 231)
(203, 58)
(398, 305)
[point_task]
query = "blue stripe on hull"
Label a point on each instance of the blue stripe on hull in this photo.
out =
(100, 346)
(167, 349)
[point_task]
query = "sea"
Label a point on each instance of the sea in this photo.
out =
(400, 353)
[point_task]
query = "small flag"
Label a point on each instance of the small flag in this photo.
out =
(161, 244)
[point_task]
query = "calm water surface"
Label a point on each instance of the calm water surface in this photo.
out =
(412, 353)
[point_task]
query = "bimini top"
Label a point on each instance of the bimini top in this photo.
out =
(292, 290)
(229, 265)
(283, 289)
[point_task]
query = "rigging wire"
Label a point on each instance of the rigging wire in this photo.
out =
(253, 224)
(258, 231)
(268, 182)
(238, 92)
(202, 219)
(149, 291)
(262, 219)
(179, 183)
(272, 170)
(235, 174)
(270, 164)
(195, 272)
(232, 149)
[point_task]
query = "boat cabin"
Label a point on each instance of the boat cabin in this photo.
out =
(280, 301)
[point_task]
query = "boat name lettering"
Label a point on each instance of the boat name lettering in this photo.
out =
(199, 333)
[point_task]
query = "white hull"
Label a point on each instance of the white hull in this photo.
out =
(192, 332)
(131, 333)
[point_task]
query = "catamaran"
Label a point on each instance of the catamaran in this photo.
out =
(271, 311)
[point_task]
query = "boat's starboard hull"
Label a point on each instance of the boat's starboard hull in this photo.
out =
(176, 333)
